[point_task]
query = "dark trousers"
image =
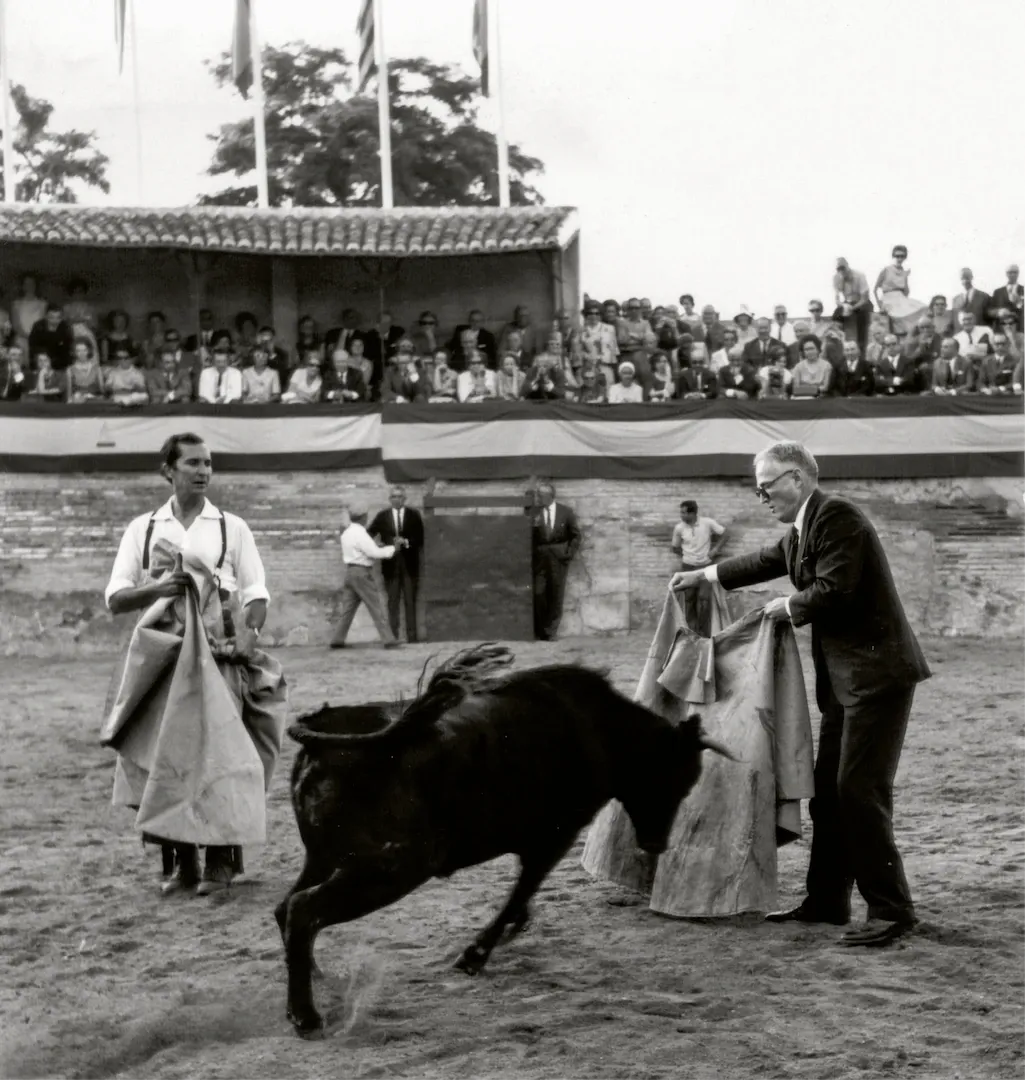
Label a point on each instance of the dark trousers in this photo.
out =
(549, 592)
(857, 326)
(361, 588)
(401, 585)
(852, 811)
(697, 604)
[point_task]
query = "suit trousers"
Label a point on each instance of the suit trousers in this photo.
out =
(361, 588)
(549, 593)
(852, 811)
(400, 586)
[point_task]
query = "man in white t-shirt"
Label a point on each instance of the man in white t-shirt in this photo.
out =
(697, 540)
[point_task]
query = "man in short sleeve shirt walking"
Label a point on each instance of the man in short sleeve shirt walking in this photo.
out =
(697, 540)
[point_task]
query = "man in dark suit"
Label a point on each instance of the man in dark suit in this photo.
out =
(341, 336)
(1009, 297)
(856, 378)
(756, 351)
(737, 378)
(696, 382)
(555, 540)
(972, 299)
(469, 336)
(867, 664)
(204, 340)
(380, 343)
(402, 526)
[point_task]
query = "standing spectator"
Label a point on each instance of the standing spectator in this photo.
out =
(710, 330)
(51, 335)
(598, 343)
(28, 309)
(667, 336)
(359, 553)
(662, 387)
(556, 540)
(610, 313)
(344, 335)
(626, 391)
(853, 302)
(744, 330)
(84, 378)
(942, 320)
(401, 527)
(697, 541)
(721, 357)
(12, 374)
(444, 380)
(813, 375)
(756, 351)
(971, 300)
(737, 379)
(473, 335)
(80, 316)
(856, 378)
(782, 329)
(156, 324)
(404, 380)
(51, 386)
(245, 337)
(774, 378)
(896, 373)
(970, 334)
(221, 384)
(277, 358)
(697, 382)
(689, 318)
(636, 341)
(168, 384)
(544, 380)
(380, 343)
(124, 383)
(996, 372)
(261, 384)
(307, 339)
(818, 325)
(592, 390)
(1010, 297)
(893, 297)
(202, 344)
(521, 323)
(509, 380)
(117, 336)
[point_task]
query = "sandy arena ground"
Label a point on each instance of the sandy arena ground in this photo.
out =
(100, 977)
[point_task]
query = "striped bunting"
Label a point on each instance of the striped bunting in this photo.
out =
(365, 31)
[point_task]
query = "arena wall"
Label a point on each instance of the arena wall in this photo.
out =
(956, 547)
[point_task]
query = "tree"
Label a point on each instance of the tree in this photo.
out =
(52, 161)
(322, 140)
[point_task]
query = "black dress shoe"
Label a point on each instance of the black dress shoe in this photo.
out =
(805, 913)
(185, 874)
(874, 933)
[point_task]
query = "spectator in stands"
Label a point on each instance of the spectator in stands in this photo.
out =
(245, 337)
(818, 325)
(84, 378)
(592, 390)
(627, 391)
(944, 369)
(721, 357)
(598, 343)
(1009, 297)
(667, 336)
(1007, 323)
(470, 336)
(756, 351)
(277, 358)
(202, 344)
(689, 318)
(124, 383)
(307, 339)
(509, 380)
(445, 380)
(942, 319)
(358, 358)
(896, 372)
(221, 384)
(426, 337)
(774, 377)
(514, 347)
(892, 295)
(156, 325)
(853, 302)
(171, 383)
(477, 383)
(52, 335)
(662, 388)
(782, 329)
(832, 348)
(813, 375)
(380, 343)
(79, 314)
(972, 299)
(709, 329)
(28, 309)
(51, 385)
(923, 343)
(876, 347)
(191, 361)
(856, 379)
(404, 379)
(544, 380)
(261, 384)
(12, 373)
(744, 324)
(636, 341)
(802, 328)
(117, 335)
(971, 334)
(737, 379)
(696, 382)
(521, 323)
(344, 335)
(996, 372)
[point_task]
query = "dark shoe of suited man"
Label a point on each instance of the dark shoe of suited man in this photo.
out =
(867, 664)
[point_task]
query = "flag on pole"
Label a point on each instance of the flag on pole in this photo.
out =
(480, 43)
(367, 53)
(241, 49)
(119, 33)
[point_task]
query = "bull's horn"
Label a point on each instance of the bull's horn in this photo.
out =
(717, 748)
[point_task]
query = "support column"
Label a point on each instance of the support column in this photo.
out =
(284, 298)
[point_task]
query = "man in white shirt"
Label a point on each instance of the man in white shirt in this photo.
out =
(782, 330)
(220, 384)
(359, 552)
(697, 541)
(970, 334)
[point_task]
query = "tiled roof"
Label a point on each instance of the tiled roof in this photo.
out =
(402, 232)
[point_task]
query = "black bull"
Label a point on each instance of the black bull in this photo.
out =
(518, 767)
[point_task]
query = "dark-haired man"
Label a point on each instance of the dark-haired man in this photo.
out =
(697, 540)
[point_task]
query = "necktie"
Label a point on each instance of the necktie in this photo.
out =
(398, 522)
(971, 340)
(220, 383)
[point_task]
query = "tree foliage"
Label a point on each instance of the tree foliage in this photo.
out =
(50, 165)
(322, 139)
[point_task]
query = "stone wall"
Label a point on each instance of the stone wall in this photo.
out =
(956, 547)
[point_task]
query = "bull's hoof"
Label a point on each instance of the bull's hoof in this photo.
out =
(472, 960)
(307, 1025)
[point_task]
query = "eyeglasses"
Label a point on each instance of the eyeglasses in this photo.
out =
(428, 322)
(762, 491)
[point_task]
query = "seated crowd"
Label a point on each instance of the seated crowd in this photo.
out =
(629, 353)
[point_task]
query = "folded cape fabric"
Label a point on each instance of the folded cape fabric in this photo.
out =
(747, 684)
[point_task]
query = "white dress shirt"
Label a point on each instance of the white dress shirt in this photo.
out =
(359, 549)
(241, 571)
(980, 335)
(783, 332)
(224, 385)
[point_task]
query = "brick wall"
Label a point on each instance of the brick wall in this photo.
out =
(956, 549)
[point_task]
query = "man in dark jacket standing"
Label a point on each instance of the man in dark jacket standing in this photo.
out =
(555, 540)
(867, 663)
(401, 574)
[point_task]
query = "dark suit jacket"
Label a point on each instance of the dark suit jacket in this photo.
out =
(713, 336)
(350, 378)
(534, 389)
(904, 369)
(753, 353)
(1002, 300)
(383, 527)
(860, 382)
(744, 380)
(486, 344)
(564, 540)
(862, 643)
(335, 335)
(55, 343)
(395, 384)
(377, 350)
(980, 305)
(697, 381)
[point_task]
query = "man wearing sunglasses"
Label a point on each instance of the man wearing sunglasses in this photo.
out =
(867, 663)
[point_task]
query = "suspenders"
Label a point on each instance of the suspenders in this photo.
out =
(149, 537)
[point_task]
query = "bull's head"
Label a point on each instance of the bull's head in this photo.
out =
(674, 772)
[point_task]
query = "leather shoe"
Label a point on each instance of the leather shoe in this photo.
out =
(874, 933)
(218, 874)
(185, 873)
(805, 913)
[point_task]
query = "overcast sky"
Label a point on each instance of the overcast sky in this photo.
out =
(729, 149)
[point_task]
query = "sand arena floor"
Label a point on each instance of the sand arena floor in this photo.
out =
(101, 977)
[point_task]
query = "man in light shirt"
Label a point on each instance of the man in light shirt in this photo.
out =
(697, 541)
(782, 329)
(359, 552)
(220, 384)
(867, 664)
(971, 334)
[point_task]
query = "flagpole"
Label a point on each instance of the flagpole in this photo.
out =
(10, 187)
(495, 78)
(262, 192)
(140, 186)
(383, 106)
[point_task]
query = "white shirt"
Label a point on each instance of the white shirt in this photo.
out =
(783, 333)
(399, 517)
(241, 571)
(548, 517)
(695, 541)
(981, 335)
(226, 385)
(465, 384)
(626, 395)
(359, 549)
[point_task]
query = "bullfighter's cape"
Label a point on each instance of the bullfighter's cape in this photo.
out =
(197, 735)
(747, 683)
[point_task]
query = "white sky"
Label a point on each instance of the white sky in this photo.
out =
(729, 149)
